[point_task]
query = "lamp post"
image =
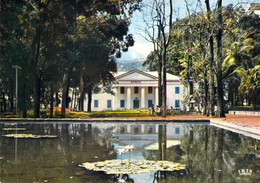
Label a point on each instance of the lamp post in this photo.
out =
(16, 67)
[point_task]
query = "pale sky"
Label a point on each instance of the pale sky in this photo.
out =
(142, 47)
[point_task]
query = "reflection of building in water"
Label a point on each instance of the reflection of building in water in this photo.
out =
(142, 136)
(135, 129)
(146, 135)
(173, 130)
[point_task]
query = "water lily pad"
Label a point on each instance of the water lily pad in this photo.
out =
(29, 136)
(132, 167)
(100, 164)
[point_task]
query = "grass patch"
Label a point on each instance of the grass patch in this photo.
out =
(119, 113)
(244, 108)
(181, 112)
(97, 114)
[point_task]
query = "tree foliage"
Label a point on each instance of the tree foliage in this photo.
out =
(193, 44)
(60, 44)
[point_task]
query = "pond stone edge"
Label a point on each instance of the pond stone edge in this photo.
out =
(247, 131)
(102, 120)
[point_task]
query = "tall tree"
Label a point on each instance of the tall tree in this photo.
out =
(211, 58)
(162, 17)
(45, 31)
(99, 40)
(220, 109)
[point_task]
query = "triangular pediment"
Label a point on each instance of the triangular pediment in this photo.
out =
(136, 75)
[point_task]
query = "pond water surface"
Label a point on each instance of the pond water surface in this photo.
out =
(210, 154)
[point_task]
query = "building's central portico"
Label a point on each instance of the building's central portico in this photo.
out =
(138, 89)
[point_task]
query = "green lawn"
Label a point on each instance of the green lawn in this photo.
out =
(95, 114)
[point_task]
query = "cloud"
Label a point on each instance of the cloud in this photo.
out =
(139, 50)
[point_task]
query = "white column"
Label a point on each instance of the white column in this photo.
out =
(156, 96)
(128, 98)
(114, 107)
(142, 97)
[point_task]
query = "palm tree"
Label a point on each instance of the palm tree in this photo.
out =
(237, 56)
(250, 81)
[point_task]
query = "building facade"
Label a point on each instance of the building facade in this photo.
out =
(139, 89)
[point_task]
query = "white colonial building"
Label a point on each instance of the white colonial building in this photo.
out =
(139, 89)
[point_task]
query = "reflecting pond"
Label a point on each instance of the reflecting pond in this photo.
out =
(210, 154)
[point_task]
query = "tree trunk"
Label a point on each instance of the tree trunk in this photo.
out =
(4, 102)
(34, 56)
(89, 99)
(51, 101)
(81, 89)
(1, 106)
(57, 99)
(81, 100)
(160, 82)
(211, 58)
(190, 82)
(205, 101)
(37, 97)
(72, 99)
(11, 96)
(1, 102)
(221, 112)
(64, 94)
(75, 100)
(24, 92)
(67, 91)
(164, 84)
